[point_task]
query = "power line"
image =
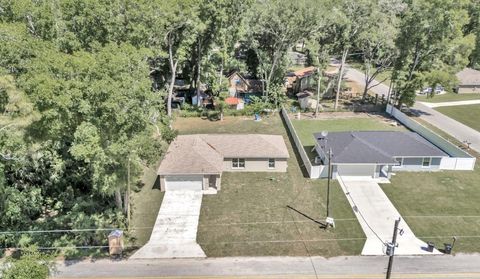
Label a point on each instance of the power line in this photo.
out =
(57, 231)
(304, 245)
(358, 210)
(238, 242)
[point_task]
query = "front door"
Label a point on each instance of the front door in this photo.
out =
(212, 181)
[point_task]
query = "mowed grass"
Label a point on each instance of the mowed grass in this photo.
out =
(436, 205)
(440, 205)
(249, 215)
(468, 114)
(361, 122)
(145, 205)
(448, 97)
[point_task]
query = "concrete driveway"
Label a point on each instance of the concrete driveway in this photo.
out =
(377, 216)
(175, 232)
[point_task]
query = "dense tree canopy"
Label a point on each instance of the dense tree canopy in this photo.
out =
(86, 86)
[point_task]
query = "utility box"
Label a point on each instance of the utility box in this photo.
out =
(448, 248)
(430, 246)
(115, 242)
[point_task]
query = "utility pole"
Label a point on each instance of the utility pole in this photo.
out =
(391, 248)
(318, 91)
(330, 221)
(128, 194)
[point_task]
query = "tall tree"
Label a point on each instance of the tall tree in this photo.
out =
(275, 26)
(376, 41)
(431, 40)
(179, 25)
(473, 27)
(348, 18)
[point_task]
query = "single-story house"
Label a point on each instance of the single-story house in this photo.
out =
(469, 81)
(196, 162)
(300, 80)
(304, 99)
(243, 87)
(377, 153)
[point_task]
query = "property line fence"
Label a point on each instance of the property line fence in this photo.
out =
(459, 159)
(314, 171)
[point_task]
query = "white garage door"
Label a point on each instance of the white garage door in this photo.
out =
(183, 182)
(356, 170)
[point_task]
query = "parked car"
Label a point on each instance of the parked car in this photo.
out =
(439, 89)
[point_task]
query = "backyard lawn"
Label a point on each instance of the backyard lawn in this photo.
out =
(436, 205)
(468, 114)
(249, 215)
(355, 122)
(448, 97)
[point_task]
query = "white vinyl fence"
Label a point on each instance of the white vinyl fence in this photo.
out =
(313, 171)
(458, 160)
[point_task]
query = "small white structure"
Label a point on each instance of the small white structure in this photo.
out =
(304, 99)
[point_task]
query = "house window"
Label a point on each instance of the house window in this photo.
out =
(238, 163)
(400, 162)
(426, 162)
(271, 163)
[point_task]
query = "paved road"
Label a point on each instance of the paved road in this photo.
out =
(376, 214)
(449, 104)
(175, 231)
(359, 77)
(458, 130)
(460, 266)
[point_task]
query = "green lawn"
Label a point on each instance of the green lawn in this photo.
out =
(448, 97)
(468, 115)
(249, 215)
(438, 206)
(362, 122)
(145, 205)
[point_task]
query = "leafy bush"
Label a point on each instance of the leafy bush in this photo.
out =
(31, 265)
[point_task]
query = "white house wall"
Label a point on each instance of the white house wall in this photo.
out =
(256, 165)
(415, 164)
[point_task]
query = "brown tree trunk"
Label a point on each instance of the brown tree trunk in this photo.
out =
(173, 70)
(318, 92)
(197, 80)
(340, 75)
(118, 200)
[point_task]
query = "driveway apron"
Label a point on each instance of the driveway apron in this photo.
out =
(175, 231)
(377, 216)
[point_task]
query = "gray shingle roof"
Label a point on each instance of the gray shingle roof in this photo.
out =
(370, 147)
(469, 76)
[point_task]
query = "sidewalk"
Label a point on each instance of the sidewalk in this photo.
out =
(450, 104)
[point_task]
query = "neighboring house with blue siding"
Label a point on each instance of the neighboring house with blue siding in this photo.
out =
(377, 153)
